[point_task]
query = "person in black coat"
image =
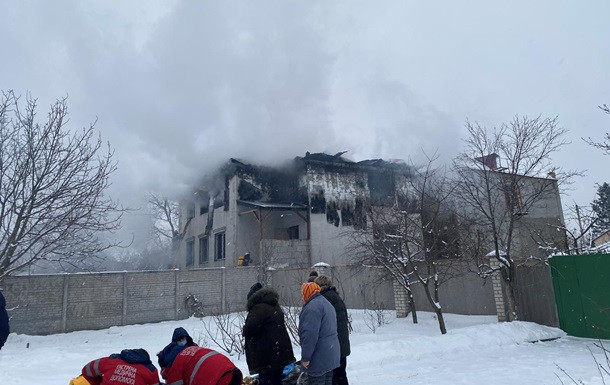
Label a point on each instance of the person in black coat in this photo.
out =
(328, 291)
(268, 346)
(4, 328)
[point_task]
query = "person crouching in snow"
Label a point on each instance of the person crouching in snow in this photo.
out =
(320, 351)
(131, 366)
(268, 346)
(183, 362)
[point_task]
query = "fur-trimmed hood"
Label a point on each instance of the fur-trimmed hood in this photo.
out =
(265, 295)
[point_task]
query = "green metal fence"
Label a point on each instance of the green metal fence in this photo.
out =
(582, 293)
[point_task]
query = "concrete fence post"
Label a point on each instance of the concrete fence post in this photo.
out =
(496, 283)
(64, 309)
(401, 300)
(176, 292)
(223, 290)
(124, 314)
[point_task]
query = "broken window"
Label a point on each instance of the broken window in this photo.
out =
(248, 192)
(347, 215)
(190, 211)
(219, 246)
(332, 214)
(359, 219)
(512, 195)
(203, 250)
(318, 203)
(190, 252)
(293, 232)
(381, 188)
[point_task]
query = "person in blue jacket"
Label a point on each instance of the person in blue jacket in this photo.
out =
(320, 350)
(4, 327)
(180, 340)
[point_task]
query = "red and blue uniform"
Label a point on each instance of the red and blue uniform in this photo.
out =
(132, 367)
(195, 365)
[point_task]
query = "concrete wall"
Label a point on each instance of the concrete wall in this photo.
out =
(47, 304)
(465, 293)
(329, 243)
(360, 288)
(283, 253)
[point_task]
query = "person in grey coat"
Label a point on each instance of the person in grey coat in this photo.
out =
(320, 350)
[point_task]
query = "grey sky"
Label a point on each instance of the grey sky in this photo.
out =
(180, 86)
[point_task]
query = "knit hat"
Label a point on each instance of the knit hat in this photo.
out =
(308, 289)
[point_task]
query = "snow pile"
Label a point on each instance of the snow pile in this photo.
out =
(476, 351)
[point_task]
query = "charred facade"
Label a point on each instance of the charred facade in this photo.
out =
(289, 215)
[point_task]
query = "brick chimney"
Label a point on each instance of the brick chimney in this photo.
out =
(490, 161)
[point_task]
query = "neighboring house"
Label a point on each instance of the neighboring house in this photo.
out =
(602, 239)
(290, 215)
(530, 207)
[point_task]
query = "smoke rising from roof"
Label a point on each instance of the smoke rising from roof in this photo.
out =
(179, 87)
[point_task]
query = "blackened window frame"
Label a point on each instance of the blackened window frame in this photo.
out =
(204, 250)
(190, 252)
(219, 246)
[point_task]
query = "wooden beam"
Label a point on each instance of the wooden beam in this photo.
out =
(261, 223)
(303, 217)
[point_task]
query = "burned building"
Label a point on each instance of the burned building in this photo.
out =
(290, 215)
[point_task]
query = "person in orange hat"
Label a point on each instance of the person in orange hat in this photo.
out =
(320, 351)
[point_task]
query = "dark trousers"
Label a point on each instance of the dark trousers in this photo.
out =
(339, 374)
(270, 377)
(325, 379)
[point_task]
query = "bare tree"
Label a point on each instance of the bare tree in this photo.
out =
(165, 226)
(604, 145)
(165, 215)
(225, 330)
(368, 249)
(497, 197)
(580, 238)
(417, 240)
(53, 205)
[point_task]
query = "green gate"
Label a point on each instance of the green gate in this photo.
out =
(582, 293)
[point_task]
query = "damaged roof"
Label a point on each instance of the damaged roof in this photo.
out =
(339, 159)
(271, 205)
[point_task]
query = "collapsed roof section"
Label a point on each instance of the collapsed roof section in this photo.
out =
(283, 184)
(339, 159)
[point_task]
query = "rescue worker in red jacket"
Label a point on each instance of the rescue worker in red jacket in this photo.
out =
(183, 362)
(131, 366)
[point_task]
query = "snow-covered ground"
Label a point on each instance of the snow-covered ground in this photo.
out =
(476, 351)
